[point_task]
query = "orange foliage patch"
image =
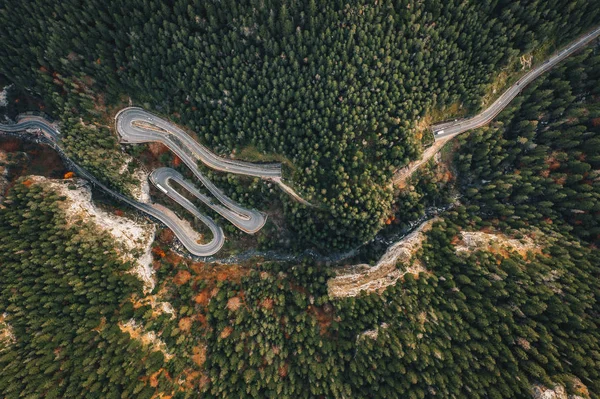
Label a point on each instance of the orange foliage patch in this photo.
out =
(554, 165)
(182, 277)
(561, 180)
(324, 317)
(283, 370)
(218, 272)
(488, 229)
(226, 332)
(159, 252)
(119, 212)
(176, 161)
(234, 303)
(199, 355)
(154, 378)
(100, 327)
(157, 149)
(203, 297)
(185, 324)
(156, 264)
(201, 319)
(197, 267)
(190, 377)
(28, 183)
(69, 175)
(172, 258)
(267, 303)
(166, 236)
(448, 176)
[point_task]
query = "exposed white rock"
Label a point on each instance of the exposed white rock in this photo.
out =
(4, 96)
(7, 336)
(473, 240)
(372, 334)
(146, 338)
(351, 280)
(134, 239)
(141, 191)
(557, 392)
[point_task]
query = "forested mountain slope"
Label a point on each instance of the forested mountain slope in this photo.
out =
(482, 321)
(335, 87)
(477, 324)
(61, 292)
(540, 162)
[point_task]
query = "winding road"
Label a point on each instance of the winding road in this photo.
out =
(32, 123)
(189, 239)
(134, 125)
(451, 129)
(249, 221)
(181, 228)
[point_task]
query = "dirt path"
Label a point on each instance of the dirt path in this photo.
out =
(400, 177)
(290, 191)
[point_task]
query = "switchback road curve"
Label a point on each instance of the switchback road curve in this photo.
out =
(49, 134)
(136, 125)
(450, 129)
(249, 221)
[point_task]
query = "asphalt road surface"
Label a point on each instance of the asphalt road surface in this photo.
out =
(447, 129)
(32, 123)
(169, 219)
(136, 125)
(249, 221)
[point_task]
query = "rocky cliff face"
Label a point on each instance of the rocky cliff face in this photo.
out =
(559, 391)
(3, 175)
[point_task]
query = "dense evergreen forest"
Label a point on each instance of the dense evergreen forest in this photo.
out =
(335, 91)
(62, 288)
(478, 325)
(540, 162)
(334, 87)
(483, 323)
